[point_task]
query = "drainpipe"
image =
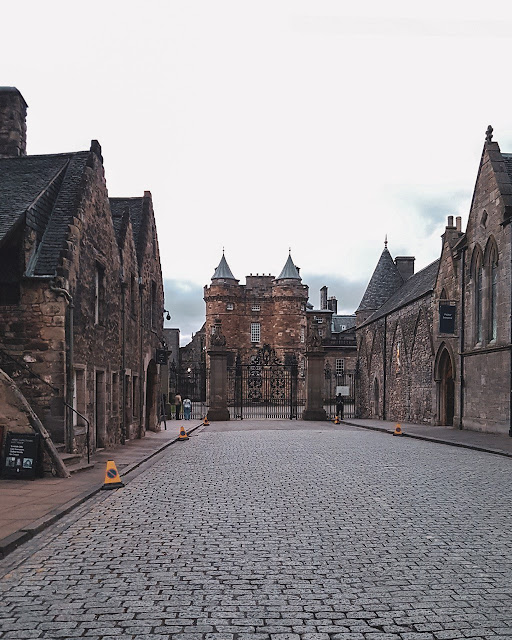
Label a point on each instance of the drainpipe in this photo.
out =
(510, 320)
(123, 362)
(462, 334)
(69, 366)
(385, 362)
(141, 359)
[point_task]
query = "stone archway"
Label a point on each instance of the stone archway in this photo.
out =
(151, 396)
(446, 386)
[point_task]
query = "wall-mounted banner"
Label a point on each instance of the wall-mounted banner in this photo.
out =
(447, 318)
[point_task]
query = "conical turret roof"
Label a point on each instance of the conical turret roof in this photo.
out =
(223, 272)
(385, 281)
(290, 271)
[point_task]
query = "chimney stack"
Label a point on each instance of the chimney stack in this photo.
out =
(323, 298)
(458, 221)
(450, 221)
(405, 265)
(332, 304)
(13, 126)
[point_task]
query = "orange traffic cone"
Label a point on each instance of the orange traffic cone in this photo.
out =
(398, 431)
(183, 435)
(112, 478)
(205, 421)
(337, 420)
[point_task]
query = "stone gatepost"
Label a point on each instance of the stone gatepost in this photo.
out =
(315, 356)
(218, 409)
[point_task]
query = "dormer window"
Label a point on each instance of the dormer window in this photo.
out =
(256, 307)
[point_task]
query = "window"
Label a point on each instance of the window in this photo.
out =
(340, 366)
(229, 306)
(478, 302)
(135, 396)
(255, 331)
(10, 273)
(115, 394)
(256, 307)
(99, 294)
(134, 295)
(79, 396)
(302, 334)
(153, 306)
(493, 300)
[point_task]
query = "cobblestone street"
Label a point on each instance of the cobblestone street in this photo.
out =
(278, 535)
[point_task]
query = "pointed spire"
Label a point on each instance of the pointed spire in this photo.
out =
(385, 281)
(290, 271)
(223, 272)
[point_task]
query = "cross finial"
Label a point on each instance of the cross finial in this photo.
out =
(386, 241)
(488, 134)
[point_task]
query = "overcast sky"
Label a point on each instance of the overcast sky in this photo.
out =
(259, 126)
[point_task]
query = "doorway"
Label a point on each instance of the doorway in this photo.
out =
(446, 389)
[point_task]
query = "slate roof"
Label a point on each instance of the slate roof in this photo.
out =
(386, 279)
(135, 208)
(414, 287)
(223, 271)
(42, 191)
(346, 321)
(289, 271)
(507, 157)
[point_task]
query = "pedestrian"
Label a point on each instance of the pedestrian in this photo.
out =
(177, 404)
(340, 405)
(187, 408)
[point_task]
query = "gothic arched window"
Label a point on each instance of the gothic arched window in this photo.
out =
(493, 296)
(477, 272)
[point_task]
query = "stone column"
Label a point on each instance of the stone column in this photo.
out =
(218, 379)
(315, 356)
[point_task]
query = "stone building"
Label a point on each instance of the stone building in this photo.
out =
(269, 320)
(435, 346)
(81, 296)
(266, 310)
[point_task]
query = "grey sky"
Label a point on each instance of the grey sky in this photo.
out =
(320, 125)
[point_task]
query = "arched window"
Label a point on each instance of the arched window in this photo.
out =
(477, 273)
(478, 301)
(493, 297)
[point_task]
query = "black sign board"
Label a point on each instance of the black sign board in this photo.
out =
(447, 318)
(21, 455)
(161, 356)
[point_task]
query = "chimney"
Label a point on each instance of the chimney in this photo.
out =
(405, 265)
(332, 304)
(450, 221)
(323, 298)
(13, 126)
(458, 221)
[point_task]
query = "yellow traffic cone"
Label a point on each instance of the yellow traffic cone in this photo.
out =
(337, 420)
(205, 421)
(112, 478)
(398, 431)
(183, 435)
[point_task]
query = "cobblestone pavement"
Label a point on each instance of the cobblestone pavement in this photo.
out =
(278, 535)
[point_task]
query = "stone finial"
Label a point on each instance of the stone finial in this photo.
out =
(488, 134)
(386, 241)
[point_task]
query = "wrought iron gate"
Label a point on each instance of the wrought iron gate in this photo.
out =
(266, 388)
(190, 383)
(345, 384)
